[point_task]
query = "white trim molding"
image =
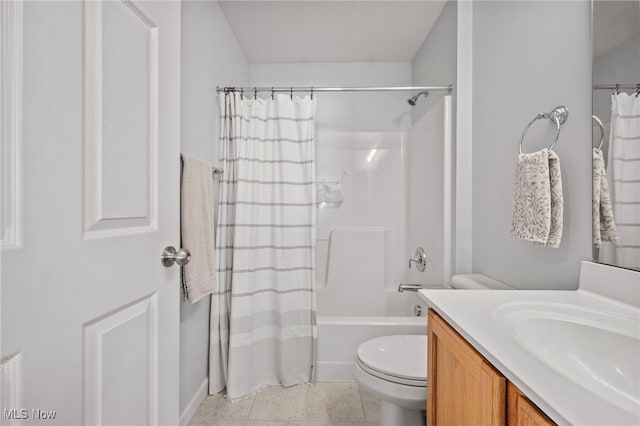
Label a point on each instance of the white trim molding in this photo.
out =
(11, 385)
(95, 333)
(464, 141)
(194, 403)
(97, 223)
(447, 191)
(11, 92)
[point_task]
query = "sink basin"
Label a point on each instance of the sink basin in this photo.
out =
(596, 349)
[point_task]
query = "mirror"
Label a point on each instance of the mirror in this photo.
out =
(616, 132)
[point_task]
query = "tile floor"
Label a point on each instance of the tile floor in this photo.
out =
(321, 404)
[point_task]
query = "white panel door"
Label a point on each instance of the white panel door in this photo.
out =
(90, 197)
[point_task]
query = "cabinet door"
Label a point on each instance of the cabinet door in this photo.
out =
(522, 412)
(463, 388)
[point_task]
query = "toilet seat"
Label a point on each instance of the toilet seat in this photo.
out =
(398, 359)
(390, 378)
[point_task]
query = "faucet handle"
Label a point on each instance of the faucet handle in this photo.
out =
(419, 258)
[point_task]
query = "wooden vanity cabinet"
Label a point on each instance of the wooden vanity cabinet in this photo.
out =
(465, 389)
(521, 411)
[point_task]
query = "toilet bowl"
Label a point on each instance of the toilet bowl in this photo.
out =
(394, 369)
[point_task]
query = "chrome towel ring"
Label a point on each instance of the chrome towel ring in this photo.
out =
(601, 126)
(558, 115)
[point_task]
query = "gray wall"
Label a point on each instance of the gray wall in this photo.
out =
(435, 61)
(529, 57)
(211, 56)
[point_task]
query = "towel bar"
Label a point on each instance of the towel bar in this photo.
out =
(601, 126)
(558, 115)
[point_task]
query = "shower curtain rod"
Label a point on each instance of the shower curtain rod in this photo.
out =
(334, 89)
(615, 86)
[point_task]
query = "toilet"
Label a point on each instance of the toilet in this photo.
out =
(394, 368)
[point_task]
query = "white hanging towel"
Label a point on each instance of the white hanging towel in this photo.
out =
(604, 226)
(196, 215)
(537, 199)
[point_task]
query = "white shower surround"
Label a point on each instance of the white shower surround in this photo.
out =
(360, 267)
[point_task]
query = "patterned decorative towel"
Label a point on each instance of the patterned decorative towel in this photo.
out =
(604, 226)
(538, 203)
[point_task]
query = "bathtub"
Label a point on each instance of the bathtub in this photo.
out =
(339, 338)
(357, 276)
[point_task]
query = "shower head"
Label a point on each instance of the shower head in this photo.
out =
(414, 99)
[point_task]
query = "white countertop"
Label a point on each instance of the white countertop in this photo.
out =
(471, 313)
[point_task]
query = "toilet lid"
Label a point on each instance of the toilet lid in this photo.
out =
(399, 356)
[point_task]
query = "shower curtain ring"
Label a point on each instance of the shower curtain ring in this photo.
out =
(617, 89)
(255, 93)
(312, 93)
(242, 93)
(273, 94)
(637, 90)
(291, 93)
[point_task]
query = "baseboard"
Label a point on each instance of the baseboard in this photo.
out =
(194, 403)
(11, 376)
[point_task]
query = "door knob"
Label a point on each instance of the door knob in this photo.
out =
(170, 256)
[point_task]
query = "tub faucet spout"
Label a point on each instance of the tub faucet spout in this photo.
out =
(409, 287)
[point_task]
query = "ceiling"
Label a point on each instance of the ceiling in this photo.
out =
(614, 22)
(331, 31)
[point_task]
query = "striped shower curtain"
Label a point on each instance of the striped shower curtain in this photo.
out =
(263, 317)
(624, 180)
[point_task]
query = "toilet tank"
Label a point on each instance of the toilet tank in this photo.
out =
(477, 282)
